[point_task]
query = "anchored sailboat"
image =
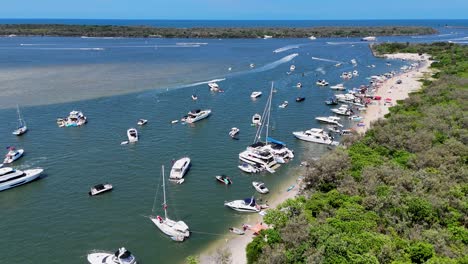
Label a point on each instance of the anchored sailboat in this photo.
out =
(22, 128)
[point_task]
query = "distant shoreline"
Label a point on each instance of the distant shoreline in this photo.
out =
(62, 30)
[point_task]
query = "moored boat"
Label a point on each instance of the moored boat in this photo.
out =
(121, 256)
(248, 168)
(132, 135)
(100, 188)
(260, 187)
(142, 122)
(284, 104)
(255, 94)
(197, 115)
(248, 205)
(22, 128)
(322, 83)
(180, 168)
(300, 99)
(315, 135)
(10, 178)
(75, 118)
(329, 120)
(224, 179)
(13, 154)
(236, 231)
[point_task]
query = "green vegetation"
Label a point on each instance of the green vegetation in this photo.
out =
(398, 194)
(148, 31)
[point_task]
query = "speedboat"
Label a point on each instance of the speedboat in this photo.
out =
(312, 38)
(346, 75)
(246, 167)
(214, 87)
(234, 131)
(179, 168)
(260, 187)
(10, 177)
(252, 65)
(338, 87)
(255, 94)
(194, 97)
(334, 129)
(370, 38)
(284, 104)
(75, 118)
(299, 85)
(22, 128)
(292, 68)
(13, 154)
(224, 179)
(315, 135)
(355, 73)
(247, 205)
(300, 99)
(256, 119)
(121, 256)
(342, 110)
(329, 120)
(322, 83)
(355, 118)
(100, 188)
(142, 122)
(132, 135)
(197, 115)
(236, 231)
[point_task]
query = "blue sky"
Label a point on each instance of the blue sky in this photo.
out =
(235, 9)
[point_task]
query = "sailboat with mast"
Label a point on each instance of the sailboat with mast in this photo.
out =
(22, 128)
(176, 230)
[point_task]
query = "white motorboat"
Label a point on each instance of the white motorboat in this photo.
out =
(75, 118)
(370, 38)
(10, 177)
(142, 122)
(329, 120)
(267, 37)
(299, 85)
(176, 230)
(246, 167)
(236, 231)
(13, 154)
(260, 187)
(255, 94)
(100, 188)
(252, 65)
(194, 97)
(197, 115)
(346, 75)
(132, 135)
(121, 256)
(256, 156)
(22, 128)
(224, 179)
(315, 135)
(322, 83)
(342, 110)
(214, 87)
(334, 129)
(256, 119)
(292, 68)
(338, 64)
(312, 38)
(234, 131)
(179, 168)
(284, 104)
(247, 205)
(338, 87)
(355, 118)
(355, 73)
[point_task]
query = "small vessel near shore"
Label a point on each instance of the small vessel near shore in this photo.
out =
(224, 179)
(236, 231)
(329, 120)
(100, 188)
(331, 101)
(338, 87)
(260, 187)
(132, 135)
(342, 110)
(197, 115)
(121, 256)
(248, 168)
(322, 83)
(315, 135)
(22, 128)
(10, 178)
(179, 169)
(12, 155)
(74, 119)
(247, 205)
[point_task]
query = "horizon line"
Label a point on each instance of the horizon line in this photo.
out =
(207, 19)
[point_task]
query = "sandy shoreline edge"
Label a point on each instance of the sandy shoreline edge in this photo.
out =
(410, 82)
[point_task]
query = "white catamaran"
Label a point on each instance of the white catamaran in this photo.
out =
(177, 231)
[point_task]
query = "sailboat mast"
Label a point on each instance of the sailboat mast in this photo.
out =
(268, 113)
(164, 191)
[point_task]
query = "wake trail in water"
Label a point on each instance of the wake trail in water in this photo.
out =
(289, 47)
(275, 64)
(33, 44)
(346, 42)
(96, 49)
(328, 60)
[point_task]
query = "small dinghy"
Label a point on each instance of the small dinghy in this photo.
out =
(100, 188)
(132, 135)
(234, 131)
(245, 167)
(224, 179)
(300, 99)
(284, 104)
(236, 231)
(13, 154)
(142, 122)
(194, 97)
(260, 187)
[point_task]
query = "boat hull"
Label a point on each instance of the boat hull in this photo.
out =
(30, 176)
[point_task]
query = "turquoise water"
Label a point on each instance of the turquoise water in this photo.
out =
(54, 221)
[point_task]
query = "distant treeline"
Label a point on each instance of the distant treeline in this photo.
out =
(147, 31)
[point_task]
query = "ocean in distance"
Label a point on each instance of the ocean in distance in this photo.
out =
(117, 81)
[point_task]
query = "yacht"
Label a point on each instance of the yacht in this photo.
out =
(13, 154)
(75, 118)
(234, 131)
(315, 135)
(142, 122)
(322, 83)
(214, 87)
(10, 177)
(247, 205)
(179, 168)
(132, 135)
(252, 65)
(259, 157)
(121, 256)
(255, 94)
(338, 87)
(312, 38)
(22, 128)
(197, 115)
(278, 149)
(246, 167)
(299, 85)
(284, 104)
(100, 188)
(256, 119)
(342, 110)
(260, 187)
(329, 120)
(194, 97)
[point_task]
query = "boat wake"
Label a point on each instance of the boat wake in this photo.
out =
(198, 83)
(289, 47)
(38, 44)
(323, 59)
(97, 49)
(275, 64)
(191, 43)
(346, 42)
(321, 70)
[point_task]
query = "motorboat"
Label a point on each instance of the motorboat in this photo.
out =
(292, 68)
(121, 256)
(10, 177)
(22, 128)
(252, 65)
(142, 122)
(370, 38)
(214, 87)
(256, 156)
(176, 230)
(100, 188)
(334, 129)
(315, 135)
(331, 101)
(236, 231)
(346, 75)
(284, 104)
(247, 205)
(75, 118)
(234, 131)
(13, 154)
(338, 87)
(300, 99)
(197, 115)
(338, 64)
(179, 168)
(354, 62)
(342, 110)
(355, 118)
(256, 119)
(312, 38)
(278, 149)
(194, 97)
(322, 83)
(355, 73)
(260, 187)
(132, 135)
(255, 94)
(267, 37)
(224, 179)
(246, 167)
(329, 120)
(299, 85)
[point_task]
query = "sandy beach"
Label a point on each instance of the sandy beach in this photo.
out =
(388, 89)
